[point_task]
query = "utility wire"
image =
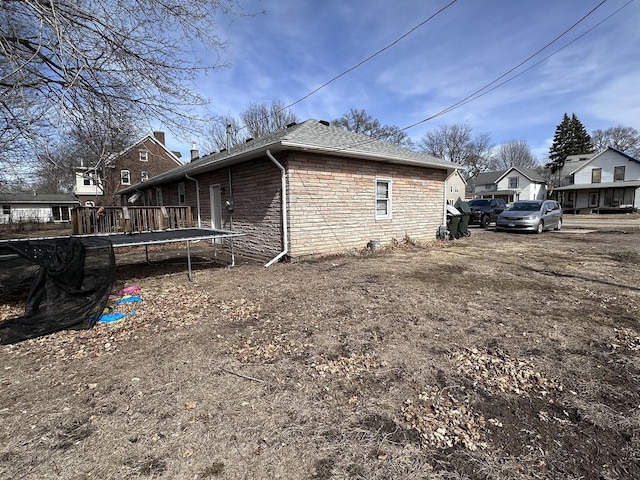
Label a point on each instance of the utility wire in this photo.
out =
(359, 64)
(464, 102)
(476, 94)
(370, 57)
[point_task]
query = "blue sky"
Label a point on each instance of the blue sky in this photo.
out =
(296, 46)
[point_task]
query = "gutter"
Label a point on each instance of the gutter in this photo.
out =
(197, 197)
(285, 237)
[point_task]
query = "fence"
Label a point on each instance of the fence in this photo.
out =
(88, 220)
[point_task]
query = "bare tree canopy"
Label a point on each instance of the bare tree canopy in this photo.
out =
(257, 120)
(359, 121)
(625, 139)
(515, 153)
(261, 119)
(63, 62)
(456, 143)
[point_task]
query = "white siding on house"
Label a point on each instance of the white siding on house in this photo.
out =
(527, 190)
(607, 161)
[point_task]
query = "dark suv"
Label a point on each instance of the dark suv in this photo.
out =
(485, 210)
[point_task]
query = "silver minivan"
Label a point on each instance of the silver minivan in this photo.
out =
(531, 216)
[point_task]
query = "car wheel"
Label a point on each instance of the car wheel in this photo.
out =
(540, 227)
(559, 226)
(484, 223)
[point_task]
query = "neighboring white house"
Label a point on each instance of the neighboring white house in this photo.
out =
(513, 184)
(598, 182)
(40, 208)
(456, 188)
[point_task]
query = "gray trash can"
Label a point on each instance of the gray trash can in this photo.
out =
(453, 222)
(463, 227)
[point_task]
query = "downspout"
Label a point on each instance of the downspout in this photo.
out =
(197, 197)
(285, 237)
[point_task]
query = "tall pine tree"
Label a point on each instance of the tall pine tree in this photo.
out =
(571, 138)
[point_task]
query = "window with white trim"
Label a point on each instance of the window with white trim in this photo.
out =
(144, 155)
(383, 199)
(181, 193)
(60, 214)
(596, 175)
(144, 176)
(125, 177)
(618, 174)
(513, 182)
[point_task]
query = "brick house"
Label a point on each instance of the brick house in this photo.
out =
(146, 158)
(341, 190)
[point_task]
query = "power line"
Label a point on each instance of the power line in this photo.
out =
(540, 61)
(370, 57)
(362, 62)
(476, 94)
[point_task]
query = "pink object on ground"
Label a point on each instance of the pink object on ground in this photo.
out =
(129, 290)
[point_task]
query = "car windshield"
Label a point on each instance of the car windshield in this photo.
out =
(479, 203)
(524, 207)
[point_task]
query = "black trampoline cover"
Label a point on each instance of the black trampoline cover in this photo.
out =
(68, 281)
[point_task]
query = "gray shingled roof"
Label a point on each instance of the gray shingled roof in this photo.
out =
(62, 198)
(488, 178)
(310, 135)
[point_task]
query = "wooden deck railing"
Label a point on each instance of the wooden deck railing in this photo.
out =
(88, 220)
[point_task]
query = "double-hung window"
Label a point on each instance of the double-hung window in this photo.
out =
(60, 214)
(144, 176)
(513, 182)
(125, 177)
(596, 175)
(383, 199)
(144, 155)
(618, 174)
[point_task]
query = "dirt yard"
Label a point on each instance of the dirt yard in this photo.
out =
(498, 356)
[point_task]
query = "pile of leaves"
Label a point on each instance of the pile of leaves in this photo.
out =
(444, 421)
(496, 370)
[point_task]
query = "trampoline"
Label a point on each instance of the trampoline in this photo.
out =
(71, 277)
(186, 235)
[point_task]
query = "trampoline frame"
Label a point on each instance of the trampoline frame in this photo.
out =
(145, 239)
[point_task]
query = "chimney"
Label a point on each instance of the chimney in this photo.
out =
(159, 136)
(194, 152)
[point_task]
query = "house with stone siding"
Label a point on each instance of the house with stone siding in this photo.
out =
(309, 189)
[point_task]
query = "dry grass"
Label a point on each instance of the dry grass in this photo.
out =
(494, 357)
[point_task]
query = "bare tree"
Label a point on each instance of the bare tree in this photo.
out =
(457, 144)
(625, 139)
(260, 119)
(257, 120)
(224, 132)
(515, 153)
(61, 62)
(359, 121)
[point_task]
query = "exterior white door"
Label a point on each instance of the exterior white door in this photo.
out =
(216, 207)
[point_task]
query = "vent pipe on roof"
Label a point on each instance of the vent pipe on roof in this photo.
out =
(228, 149)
